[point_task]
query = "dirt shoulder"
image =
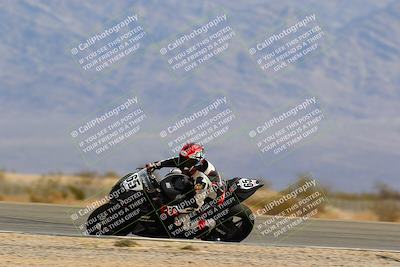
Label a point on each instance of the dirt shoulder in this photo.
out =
(44, 250)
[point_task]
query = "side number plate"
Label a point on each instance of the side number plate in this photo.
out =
(133, 182)
(247, 183)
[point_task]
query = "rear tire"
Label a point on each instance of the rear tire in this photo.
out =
(239, 226)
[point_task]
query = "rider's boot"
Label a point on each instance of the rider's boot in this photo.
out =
(206, 223)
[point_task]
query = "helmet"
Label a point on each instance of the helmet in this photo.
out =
(192, 151)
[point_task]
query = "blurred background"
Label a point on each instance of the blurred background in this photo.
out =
(354, 75)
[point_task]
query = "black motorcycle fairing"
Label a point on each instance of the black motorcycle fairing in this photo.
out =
(138, 202)
(120, 192)
(116, 193)
(243, 187)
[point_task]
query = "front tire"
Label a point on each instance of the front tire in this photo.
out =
(97, 223)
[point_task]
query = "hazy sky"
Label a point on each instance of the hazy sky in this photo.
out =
(138, 78)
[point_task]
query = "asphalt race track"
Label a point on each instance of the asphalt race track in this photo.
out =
(56, 219)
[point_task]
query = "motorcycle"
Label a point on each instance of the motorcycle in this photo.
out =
(136, 206)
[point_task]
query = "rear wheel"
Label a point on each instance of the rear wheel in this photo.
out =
(237, 227)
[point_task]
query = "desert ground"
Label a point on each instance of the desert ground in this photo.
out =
(18, 249)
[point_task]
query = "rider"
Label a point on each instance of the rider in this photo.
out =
(191, 162)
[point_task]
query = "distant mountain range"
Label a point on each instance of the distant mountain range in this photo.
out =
(354, 74)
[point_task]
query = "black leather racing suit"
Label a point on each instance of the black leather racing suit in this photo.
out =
(206, 181)
(190, 166)
(204, 176)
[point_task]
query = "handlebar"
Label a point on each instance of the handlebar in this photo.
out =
(149, 172)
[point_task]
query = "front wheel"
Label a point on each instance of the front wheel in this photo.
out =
(237, 227)
(95, 224)
(101, 222)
